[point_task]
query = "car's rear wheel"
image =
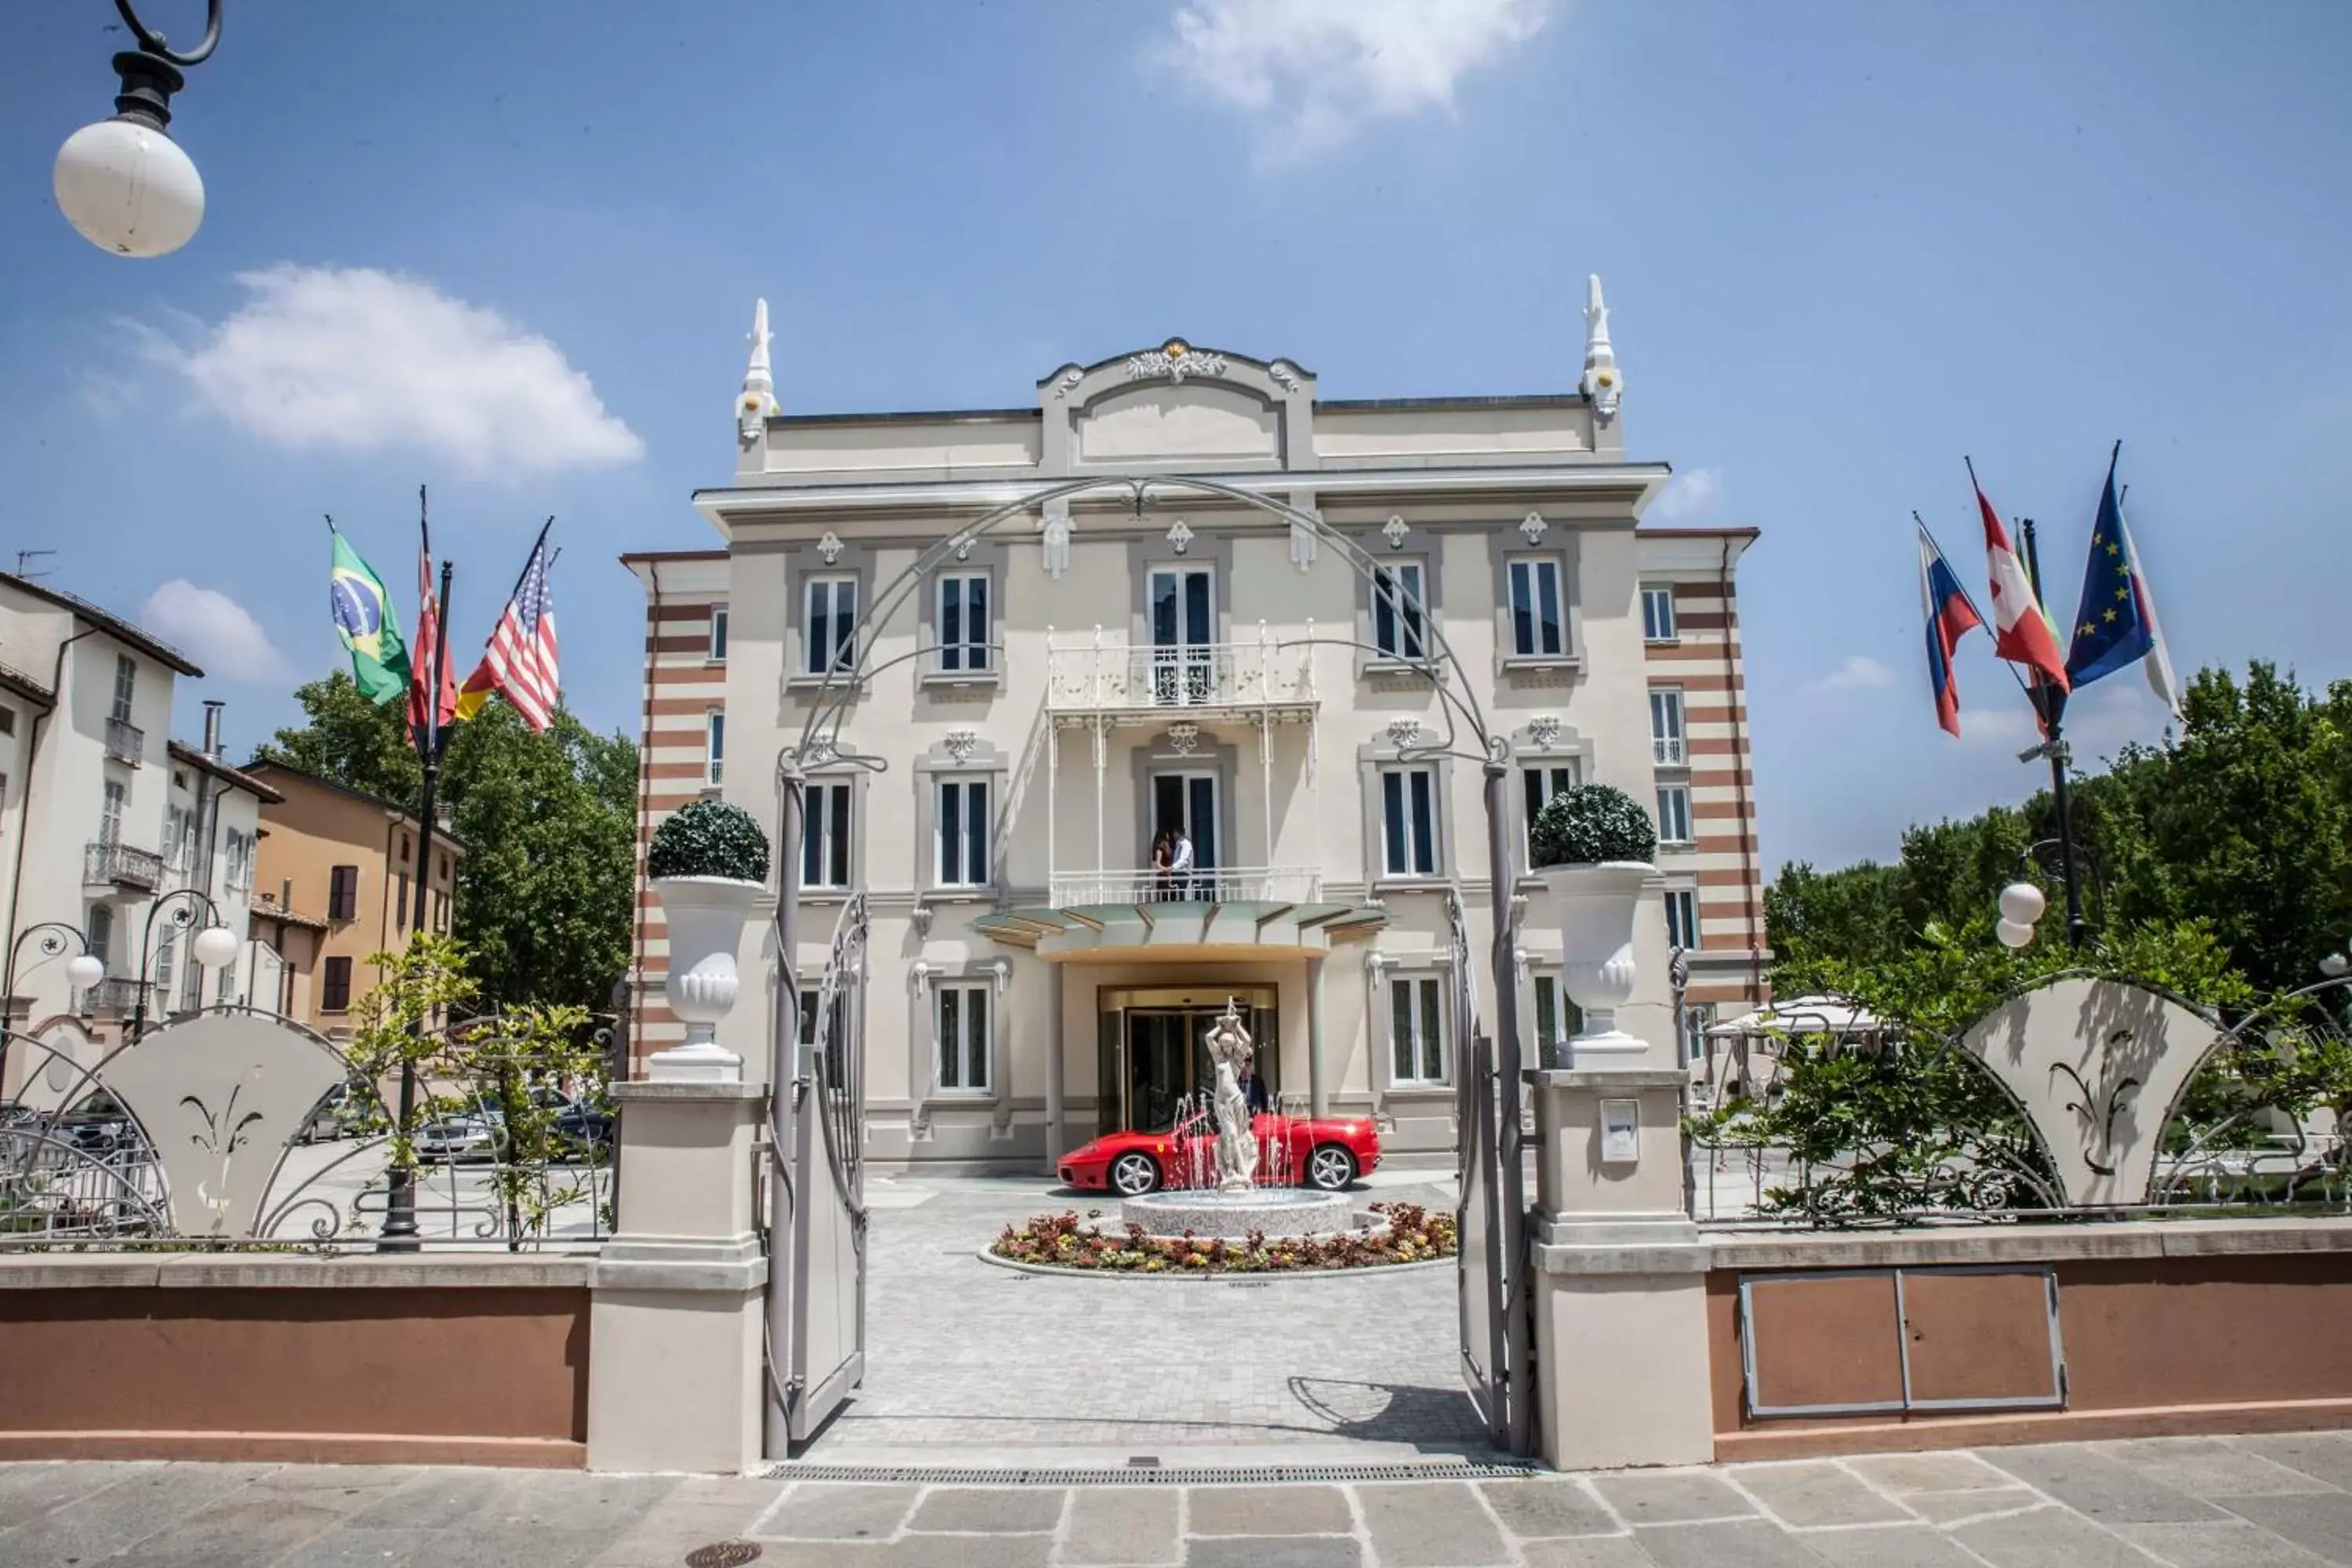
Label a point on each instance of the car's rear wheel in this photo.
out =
(1330, 1168)
(1134, 1174)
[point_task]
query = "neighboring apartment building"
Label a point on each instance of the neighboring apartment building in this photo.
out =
(346, 861)
(1112, 663)
(106, 827)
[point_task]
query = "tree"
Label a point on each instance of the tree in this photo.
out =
(546, 888)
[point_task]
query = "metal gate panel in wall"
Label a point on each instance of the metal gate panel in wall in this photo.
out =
(1858, 1341)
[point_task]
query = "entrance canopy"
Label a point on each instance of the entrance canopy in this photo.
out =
(1181, 931)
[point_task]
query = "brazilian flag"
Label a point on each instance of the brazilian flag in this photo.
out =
(364, 618)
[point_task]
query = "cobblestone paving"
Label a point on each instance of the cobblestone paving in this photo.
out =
(2192, 1502)
(963, 1353)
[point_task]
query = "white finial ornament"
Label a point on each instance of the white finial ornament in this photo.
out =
(757, 404)
(1602, 383)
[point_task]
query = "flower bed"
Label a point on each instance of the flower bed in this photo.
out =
(1067, 1241)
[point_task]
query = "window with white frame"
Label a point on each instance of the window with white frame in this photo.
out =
(1558, 1019)
(1697, 1021)
(1657, 612)
(225, 985)
(1673, 814)
(718, 634)
(1537, 785)
(1538, 620)
(1417, 1029)
(835, 1034)
(714, 748)
(1682, 917)
(101, 932)
(964, 621)
(167, 952)
(961, 1018)
(179, 838)
(829, 627)
(960, 834)
(237, 868)
(1409, 822)
(825, 835)
(1398, 628)
(1666, 726)
(126, 686)
(113, 797)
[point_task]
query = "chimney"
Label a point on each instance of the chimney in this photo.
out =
(212, 727)
(286, 893)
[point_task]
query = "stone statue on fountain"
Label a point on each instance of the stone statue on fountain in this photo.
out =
(1230, 1048)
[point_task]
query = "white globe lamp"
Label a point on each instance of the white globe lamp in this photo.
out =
(214, 947)
(2013, 933)
(2021, 903)
(127, 188)
(2335, 966)
(83, 971)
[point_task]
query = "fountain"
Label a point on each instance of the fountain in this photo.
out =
(1237, 1204)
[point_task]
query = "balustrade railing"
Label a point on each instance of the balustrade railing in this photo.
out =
(125, 742)
(1204, 885)
(1103, 676)
(107, 863)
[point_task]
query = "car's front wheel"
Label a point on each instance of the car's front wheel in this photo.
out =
(1330, 1168)
(1133, 1174)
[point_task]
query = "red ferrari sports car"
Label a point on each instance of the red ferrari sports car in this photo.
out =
(1326, 1152)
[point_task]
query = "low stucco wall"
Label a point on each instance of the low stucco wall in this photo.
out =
(435, 1360)
(2162, 1328)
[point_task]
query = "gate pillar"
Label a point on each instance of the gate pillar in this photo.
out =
(1620, 1274)
(677, 1296)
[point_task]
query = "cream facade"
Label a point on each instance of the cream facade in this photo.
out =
(1143, 652)
(105, 821)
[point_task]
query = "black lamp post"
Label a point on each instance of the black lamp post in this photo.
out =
(214, 945)
(83, 971)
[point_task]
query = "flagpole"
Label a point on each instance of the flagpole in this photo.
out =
(399, 1233)
(2051, 702)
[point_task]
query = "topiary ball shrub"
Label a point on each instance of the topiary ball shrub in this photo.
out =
(708, 839)
(1587, 824)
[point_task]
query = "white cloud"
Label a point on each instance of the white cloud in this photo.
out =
(1859, 672)
(1691, 495)
(1316, 70)
(355, 360)
(214, 629)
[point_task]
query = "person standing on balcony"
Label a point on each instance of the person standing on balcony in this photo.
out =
(1163, 851)
(1180, 863)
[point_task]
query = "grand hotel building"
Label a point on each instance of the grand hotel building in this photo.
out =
(1098, 669)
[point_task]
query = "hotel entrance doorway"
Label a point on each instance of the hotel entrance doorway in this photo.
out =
(1151, 1050)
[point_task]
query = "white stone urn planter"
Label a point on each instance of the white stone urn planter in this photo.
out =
(1596, 905)
(706, 916)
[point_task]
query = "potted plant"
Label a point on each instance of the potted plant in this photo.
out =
(1591, 845)
(707, 863)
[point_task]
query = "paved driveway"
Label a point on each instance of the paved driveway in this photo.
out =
(966, 1354)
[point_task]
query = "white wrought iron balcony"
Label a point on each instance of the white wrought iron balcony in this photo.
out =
(1667, 751)
(1096, 675)
(1201, 884)
(125, 742)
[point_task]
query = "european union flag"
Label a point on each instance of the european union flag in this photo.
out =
(2116, 623)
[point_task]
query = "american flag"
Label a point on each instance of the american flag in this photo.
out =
(520, 663)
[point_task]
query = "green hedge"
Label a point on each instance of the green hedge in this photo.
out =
(708, 839)
(1590, 823)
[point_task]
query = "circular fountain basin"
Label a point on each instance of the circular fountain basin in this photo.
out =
(1275, 1211)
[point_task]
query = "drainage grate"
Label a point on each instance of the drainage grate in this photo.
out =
(722, 1554)
(1148, 1473)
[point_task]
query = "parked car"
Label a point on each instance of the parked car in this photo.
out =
(1324, 1152)
(584, 1126)
(98, 1124)
(343, 1113)
(473, 1135)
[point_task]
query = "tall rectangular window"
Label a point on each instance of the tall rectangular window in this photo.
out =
(335, 986)
(179, 838)
(113, 796)
(964, 621)
(1408, 821)
(343, 893)
(1666, 726)
(960, 834)
(963, 1022)
(1538, 627)
(167, 956)
(1697, 1021)
(1537, 785)
(1558, 1019)
(1397, 628)
(1673, 814)
(1417, 1030)
(1657, 612)
(714, 748)
(718, 634)
(126, 686)
(837, 1035)
(1682, 917)
(101, 931)
(831, 624)
(825, 836)
(400, 904)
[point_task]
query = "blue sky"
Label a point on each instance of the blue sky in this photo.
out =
(1843, 244)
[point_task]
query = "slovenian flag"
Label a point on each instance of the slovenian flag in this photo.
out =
(1949, 616)
(2021, 631)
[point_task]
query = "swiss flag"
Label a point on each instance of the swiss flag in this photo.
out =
(2020, 632)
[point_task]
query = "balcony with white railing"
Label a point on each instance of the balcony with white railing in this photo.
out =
(119, 870)
(125, 742)
(1667, 751)
(1096, 675)
(1200, 885)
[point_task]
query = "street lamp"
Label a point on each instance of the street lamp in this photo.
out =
(2021, 904)
(2336, 965)
(123, 182)
(83, 969)
(214, 945)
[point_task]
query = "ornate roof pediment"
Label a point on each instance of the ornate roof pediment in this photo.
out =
(1176, 405)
